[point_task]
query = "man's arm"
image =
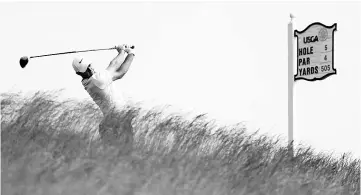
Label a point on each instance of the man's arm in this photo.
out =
(119, 66)
(118, 60)
(123, 69)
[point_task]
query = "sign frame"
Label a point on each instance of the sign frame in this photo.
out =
(296, 77)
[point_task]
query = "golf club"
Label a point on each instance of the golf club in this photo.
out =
(25, 60)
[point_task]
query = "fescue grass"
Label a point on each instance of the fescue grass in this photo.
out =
(49, 146)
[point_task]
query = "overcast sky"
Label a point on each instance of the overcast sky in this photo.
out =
(225, 59)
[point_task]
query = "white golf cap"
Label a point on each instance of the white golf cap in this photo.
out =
(80, 64)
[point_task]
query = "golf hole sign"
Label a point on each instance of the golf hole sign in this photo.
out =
(315, 52)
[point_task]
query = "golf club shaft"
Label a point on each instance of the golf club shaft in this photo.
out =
(71, 52)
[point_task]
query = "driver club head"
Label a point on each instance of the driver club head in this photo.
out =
(24, 61)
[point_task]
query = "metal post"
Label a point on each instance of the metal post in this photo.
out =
(291, 65)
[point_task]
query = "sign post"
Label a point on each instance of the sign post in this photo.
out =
(290, 85)
(315, 60)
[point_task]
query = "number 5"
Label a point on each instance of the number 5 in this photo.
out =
(325, 47)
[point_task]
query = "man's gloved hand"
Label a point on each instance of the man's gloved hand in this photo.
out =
(130, 49)
(120, 48)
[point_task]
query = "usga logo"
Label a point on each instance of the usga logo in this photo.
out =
(322, 36)
(310, 39)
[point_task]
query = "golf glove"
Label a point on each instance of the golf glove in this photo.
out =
(130, 49)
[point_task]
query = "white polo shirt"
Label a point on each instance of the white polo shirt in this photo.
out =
(100, 89)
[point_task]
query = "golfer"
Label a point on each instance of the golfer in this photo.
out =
(99, 85)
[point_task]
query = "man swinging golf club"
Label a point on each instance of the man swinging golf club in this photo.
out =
(99, 86)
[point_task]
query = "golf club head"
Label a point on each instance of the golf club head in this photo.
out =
(24, 61)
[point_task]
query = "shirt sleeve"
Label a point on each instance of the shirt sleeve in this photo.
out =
(102, 79)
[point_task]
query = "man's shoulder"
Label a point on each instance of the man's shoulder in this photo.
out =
(101, 79)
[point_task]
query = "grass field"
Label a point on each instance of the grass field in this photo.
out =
(46, 149)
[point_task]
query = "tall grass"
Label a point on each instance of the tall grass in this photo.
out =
(50, 146)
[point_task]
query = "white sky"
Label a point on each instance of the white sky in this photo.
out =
(225, 59)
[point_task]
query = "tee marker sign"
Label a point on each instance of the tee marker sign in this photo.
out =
(315, 60)
(315, 52)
